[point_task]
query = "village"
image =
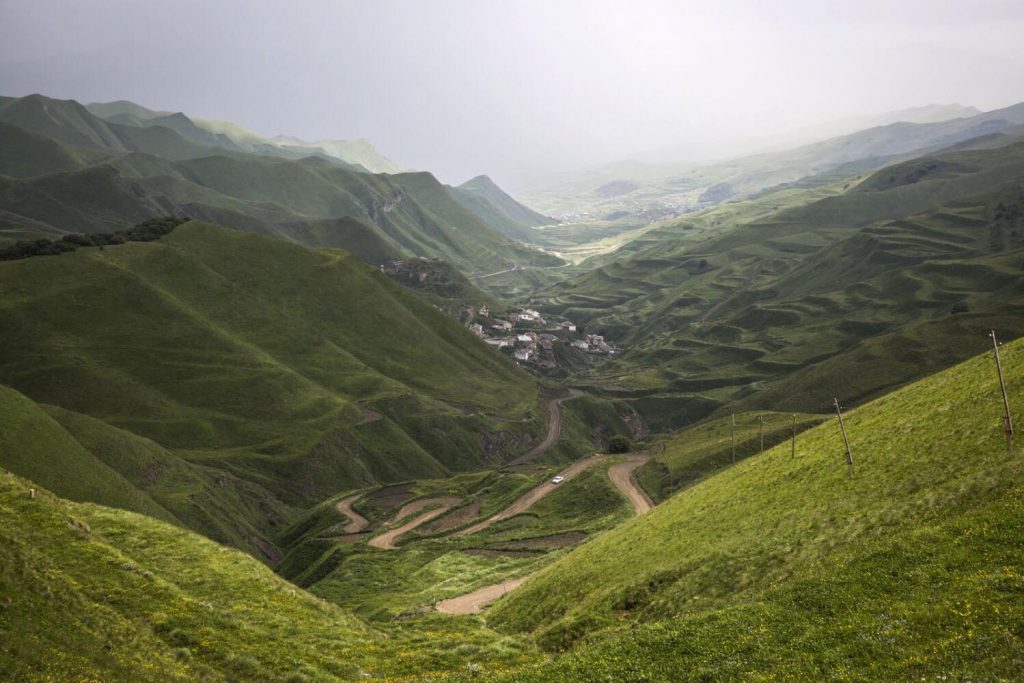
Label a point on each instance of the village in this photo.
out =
(531, 338)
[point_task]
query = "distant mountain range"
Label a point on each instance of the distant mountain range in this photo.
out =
(359, 153)
(894, 136)
(73, 168)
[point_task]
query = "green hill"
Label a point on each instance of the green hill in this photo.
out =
(787, 567)
(258, 358)
(164, 168)
(784, 300)
(96, 199)
(685, 187)
(497, 209)
(92, 593)
(26, 154)
(71, 123)
(360, 154)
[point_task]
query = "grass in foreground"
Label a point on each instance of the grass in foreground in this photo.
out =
(790, 569)
(93, 593)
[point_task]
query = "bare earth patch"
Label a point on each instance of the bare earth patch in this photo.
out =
(390, 497)
(455, 518)
(542, 542)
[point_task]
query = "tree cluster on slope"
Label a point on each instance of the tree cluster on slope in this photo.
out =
(146, 231)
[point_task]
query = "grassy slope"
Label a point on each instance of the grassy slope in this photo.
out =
(25, 154)
(496, 208)
(96, 199)
(92, 593)
(692, 454)
(293, 197)
(788, 568)
(34, 445)
(739, 300)
(249, 355)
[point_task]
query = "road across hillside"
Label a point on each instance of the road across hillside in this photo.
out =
(386, 541)
(356, 522)
(527, 500)
(621, 475)
(554, 428)
(474, 603)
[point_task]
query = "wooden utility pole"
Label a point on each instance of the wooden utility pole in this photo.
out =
(760, 418)
(793, 454)
(1007, 422)
(734, 437)
(842, 428)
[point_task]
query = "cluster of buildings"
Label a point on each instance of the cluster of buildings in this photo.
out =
(594, 343)
(530, 338)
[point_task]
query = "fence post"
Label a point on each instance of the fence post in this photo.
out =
(760, 418)
(793, 454)
(842, 428)
(734, 437)
(1007, 422)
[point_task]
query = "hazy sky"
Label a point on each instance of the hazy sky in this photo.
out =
(519, 88)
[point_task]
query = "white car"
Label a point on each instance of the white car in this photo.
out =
(558, 480)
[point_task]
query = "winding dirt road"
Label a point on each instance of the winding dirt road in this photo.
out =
(386, 541)
(623, 475)
(356, 522)
(474, 603)
(528, 499)
(554, 428)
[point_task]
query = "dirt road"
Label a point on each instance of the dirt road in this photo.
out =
(386, 541)
(474, 603)
(623, 475)
(554, 428)
(356, 522)
(527, 500)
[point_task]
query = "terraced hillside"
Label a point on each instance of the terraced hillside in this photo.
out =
(788, 567)
(75, 172)
(784, 301)
(256, 362)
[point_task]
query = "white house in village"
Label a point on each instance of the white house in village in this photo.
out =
(529, 315)
(477, 329)
(569, 326)
(581, 345)
(498, 343)
(502, 325)
(524, 339)
(484, 312)
(523, 355)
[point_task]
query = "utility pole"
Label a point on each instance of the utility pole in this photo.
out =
(1007, 422)
(760, 418)
(842, 428)
(734, 437)
(794, 436)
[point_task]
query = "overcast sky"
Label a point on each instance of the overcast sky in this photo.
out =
(519, 88)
